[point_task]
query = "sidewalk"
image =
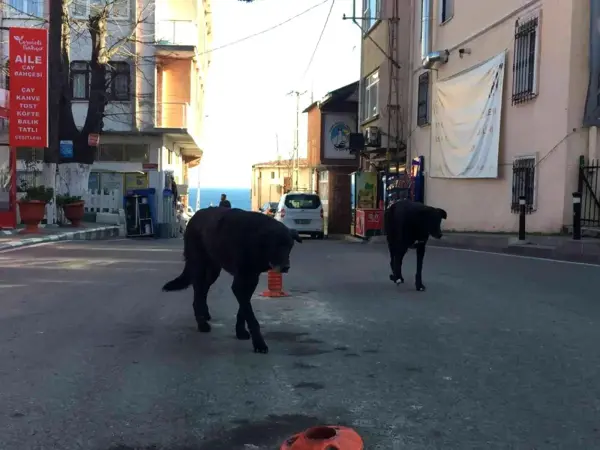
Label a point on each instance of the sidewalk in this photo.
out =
(89, 231)
(558, 247)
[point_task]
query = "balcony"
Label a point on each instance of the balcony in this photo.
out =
(178, 119)
(176, 38)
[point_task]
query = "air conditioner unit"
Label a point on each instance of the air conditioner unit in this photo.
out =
(373, 137)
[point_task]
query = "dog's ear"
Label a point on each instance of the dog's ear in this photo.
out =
(443, 213)
(296, 236)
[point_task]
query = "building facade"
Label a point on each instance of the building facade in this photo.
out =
(270, 180)
(531, 143)
(153, 124)
(330, 122)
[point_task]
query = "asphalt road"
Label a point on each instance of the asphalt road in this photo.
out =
(499, 353)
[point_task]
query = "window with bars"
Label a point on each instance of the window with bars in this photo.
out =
(523, 183)
(118, 80)
(423, 100)
(525, 60)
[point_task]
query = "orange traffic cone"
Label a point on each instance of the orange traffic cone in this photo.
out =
(274, 285)
(325, 438)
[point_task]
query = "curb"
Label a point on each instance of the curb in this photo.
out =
(584, 251)
(90, 234)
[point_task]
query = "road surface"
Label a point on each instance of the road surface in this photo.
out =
(500, 352)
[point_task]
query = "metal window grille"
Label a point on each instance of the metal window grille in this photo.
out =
(589, 186)
(523, 183)
(423, 100)
(524, 62)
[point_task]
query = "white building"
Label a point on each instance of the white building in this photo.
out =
(153, 123)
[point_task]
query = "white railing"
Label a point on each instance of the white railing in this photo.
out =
(176, 32)
(98, 201)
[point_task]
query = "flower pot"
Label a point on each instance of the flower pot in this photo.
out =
(74, 213)
(32, 213)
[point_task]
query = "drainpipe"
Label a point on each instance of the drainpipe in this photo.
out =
(592, 143)
(360, 78)
(428, 57)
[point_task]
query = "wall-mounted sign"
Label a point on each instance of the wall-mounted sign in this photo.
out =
(93, 139)
(149, 166)
(336, 135)
(66, 149)
(28, 71)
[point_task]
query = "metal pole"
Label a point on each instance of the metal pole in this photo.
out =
(522, 212)
(577, 216)
(297, 142)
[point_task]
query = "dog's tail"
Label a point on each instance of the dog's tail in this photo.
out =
(180, 283)
(184, 280)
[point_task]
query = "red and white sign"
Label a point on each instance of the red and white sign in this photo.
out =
(28, 52)
(374, 219)
(93, 139)
(359, 225)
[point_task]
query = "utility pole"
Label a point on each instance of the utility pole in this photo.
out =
(51, 155)
(296, 159)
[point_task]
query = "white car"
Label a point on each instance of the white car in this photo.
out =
(303, 212)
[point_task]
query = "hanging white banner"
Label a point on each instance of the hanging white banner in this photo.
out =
(466, 122)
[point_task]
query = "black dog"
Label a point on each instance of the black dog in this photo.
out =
(243, 243)
(409, 225)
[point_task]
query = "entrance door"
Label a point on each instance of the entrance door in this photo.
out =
(8, 187)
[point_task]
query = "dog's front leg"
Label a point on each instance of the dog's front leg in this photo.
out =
(243, 287)
(420, 246)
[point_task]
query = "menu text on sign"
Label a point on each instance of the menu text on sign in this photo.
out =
(28, 52)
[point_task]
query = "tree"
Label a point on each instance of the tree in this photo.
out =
(74, 173)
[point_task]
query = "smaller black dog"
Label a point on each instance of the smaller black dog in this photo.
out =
(408, 225)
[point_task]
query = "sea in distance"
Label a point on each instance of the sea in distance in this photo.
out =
(239, 198)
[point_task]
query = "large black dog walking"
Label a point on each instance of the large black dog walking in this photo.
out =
(243, 243)
(409, 224)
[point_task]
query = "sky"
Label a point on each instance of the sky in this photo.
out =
(249, 115)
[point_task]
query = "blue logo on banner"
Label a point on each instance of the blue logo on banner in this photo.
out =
(339, 134)
(66, 149)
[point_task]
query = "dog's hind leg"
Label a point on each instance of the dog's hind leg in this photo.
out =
(420, 246)
(203, 280)
(243, 287)
(396, 257)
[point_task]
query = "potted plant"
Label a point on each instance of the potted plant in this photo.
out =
(32, 207)
(72, 206)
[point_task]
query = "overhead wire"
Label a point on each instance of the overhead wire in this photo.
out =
(266, 30)
(312, 57)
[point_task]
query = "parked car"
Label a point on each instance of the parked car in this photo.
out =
(269, 208)
(302, 212)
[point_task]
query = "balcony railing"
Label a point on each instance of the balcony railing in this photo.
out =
(172, 115)
(176, 32)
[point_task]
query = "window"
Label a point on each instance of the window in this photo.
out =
(423, 100)
(324, 176)
(371, 11)
(446, 10)
(81, 9)
(118, 80)
(123, 152)
(302, 201)
(523, 183)
(30, 154)
(371, 96)
(169, 156)
(272, 175)
(24, 8)
(80, 80)
(525, 61)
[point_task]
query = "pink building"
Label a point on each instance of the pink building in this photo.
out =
(497, 95)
